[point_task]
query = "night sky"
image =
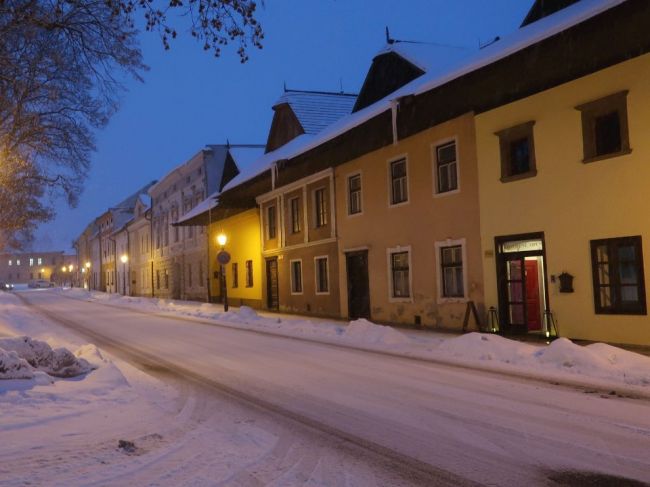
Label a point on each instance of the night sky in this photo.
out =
(190, 98)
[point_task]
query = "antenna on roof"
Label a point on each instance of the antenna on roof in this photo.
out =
(389, 40)
(228, 143)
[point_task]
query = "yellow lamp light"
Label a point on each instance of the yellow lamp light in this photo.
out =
(124, 258)
(222, 239)
(70, 267)
(63, 269)
(87, 265)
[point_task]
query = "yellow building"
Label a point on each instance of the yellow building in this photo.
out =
(243, 274)
(563, 186)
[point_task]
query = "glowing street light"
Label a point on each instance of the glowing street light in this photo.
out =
(222, 239)
(124, 258)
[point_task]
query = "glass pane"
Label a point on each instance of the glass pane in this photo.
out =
(398, 169)
(516, 314)
(519, 156)
(605, 296)
(443, 179)
(453, 178)
(515, 292)
(601, 253)
(460, 287)
(514, 269)
(400, 260)
(630, 293)
(608, 133)
(447, 153)
(627, 253)
(627, 273)
(603, 273)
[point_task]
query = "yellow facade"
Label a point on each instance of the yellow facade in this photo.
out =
(570, 201)
(243, 244)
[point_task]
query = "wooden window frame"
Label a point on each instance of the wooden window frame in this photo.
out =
(296, 224)
(618, 308)
(318, 275)
(320, 207)
(249, 273)
(506, 138)
(438, 166)
(271, 230)
(358, 192)
(392, 297)
(234, 270)
(392, 180)
(296, 286)
(590, 112)
(444, 295)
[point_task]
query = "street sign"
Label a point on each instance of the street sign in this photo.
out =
(223, 257)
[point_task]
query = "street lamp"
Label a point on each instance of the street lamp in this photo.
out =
(223, 258)
(124, 260)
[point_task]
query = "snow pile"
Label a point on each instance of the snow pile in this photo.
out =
(14, 367)
(58, 362)
(364, 331)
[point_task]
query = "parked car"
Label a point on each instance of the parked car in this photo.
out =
(40, 283)
(6, 286)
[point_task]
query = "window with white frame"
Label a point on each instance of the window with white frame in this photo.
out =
(354, 194)
(270, 223)
(398, 182)
(322, 275)
(296, 277)
(451, 269)
(320, 206)
(400, 274)
(446, 167)
(294, 205)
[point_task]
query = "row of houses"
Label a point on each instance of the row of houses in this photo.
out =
(509, 180)
(24, 267)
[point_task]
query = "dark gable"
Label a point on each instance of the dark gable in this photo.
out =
(388, 72)
(544, 8)
(284, 127)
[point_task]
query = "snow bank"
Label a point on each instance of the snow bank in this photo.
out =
(363, 331)
(58, 362)
(14, 367)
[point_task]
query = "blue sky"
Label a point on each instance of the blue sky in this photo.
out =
(190, 98)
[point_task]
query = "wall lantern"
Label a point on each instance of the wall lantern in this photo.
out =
(566, 282)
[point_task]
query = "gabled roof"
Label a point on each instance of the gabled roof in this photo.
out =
(506, 46)
(315, 110)
(427, 56)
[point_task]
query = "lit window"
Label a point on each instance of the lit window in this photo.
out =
(31, 261)
(40, 261)
(10, 263)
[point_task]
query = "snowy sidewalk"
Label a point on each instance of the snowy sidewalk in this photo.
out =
(599, 367)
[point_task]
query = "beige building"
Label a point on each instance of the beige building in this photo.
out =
(23, 267)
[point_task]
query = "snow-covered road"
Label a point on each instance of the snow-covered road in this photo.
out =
(438, 420)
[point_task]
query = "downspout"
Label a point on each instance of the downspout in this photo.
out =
(394, 105)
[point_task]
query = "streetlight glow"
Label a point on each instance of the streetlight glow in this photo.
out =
(222, 239)
(70, 267)
(124, 258)
(63, 269)
(87, 265)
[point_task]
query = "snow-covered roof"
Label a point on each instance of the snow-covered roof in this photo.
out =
(506, 46)
(316, 110)
(207, 204)
(424, 55)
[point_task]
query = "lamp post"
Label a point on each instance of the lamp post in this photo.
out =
(124, 260)
(87, 266)
(223, 258)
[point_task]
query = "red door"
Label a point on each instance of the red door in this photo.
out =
(532, 295)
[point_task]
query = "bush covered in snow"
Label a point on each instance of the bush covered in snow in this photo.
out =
(19, 355)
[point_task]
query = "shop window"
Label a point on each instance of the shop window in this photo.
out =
(517, 149)
(617, 267)
(605, 127)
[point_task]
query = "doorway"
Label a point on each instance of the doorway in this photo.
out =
(358, 284)
(522, 283)
(272, 288)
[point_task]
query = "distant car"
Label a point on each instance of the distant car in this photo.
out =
(40, 283)
(6, 286)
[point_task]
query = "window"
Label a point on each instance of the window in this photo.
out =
(517, 152)
(320, 206)
(617, 267)
(270, 223)
(398, 182)
(17, 261)
(249, 273)
(322, 277)
(31, 261)
(296, 277)
(451, 270)
(399, 264)
(39, 261)
(235, 274)
(446, 168)
(605, 127)
(294, 204)
(354, 194)
(10, 263)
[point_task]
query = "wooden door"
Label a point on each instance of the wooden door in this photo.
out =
(358, 285)
(532, 296)
(272, 287)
